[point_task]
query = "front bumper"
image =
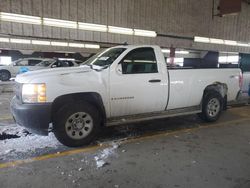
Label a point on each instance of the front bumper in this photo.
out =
(34, 117)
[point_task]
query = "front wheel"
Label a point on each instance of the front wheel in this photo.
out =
(76, 124)
(211, 107)
(4, 75)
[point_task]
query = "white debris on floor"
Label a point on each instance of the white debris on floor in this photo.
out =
(26, 142)
(12, 129)
(101, 158)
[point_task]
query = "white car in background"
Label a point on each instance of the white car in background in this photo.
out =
(31, 64)
(53, 63)
(11, 70)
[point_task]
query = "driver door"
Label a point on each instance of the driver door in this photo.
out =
(137, 86)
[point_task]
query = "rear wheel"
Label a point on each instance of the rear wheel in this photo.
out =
(4, 75)
(211, 107)
(76, 124)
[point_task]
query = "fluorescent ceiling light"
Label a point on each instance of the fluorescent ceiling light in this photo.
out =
(4, 40)
(145, 33)
(20, 18)
(177, 51)
(92, 27)
(40, 42)
(96, 46)
(216, 41)
(59, 43)
(243, 44)
(228, 53)
(120, 30)
(52, 43)
(59, 23)
(69, 59)
(220, 41)
(77, 45)
(230, 42)
(201, 39)
(182, 52)
(165, 51)
(21, 41)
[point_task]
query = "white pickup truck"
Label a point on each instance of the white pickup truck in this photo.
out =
(123, 84)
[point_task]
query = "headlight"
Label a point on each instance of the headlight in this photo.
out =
(34, 93)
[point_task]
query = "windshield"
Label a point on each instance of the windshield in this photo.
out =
(105, 58)
(45, 63)
(17, 62)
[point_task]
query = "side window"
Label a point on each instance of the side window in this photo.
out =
(22, 63)
(139, 61)
(53, 65)
(33, 62)
(67, 64)
(57, 64)
(45, 63)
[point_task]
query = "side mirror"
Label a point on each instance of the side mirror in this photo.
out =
(53, 66)
(119, 68)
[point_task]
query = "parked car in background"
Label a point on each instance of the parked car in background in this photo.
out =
(53, 63)
(18, 66)
(123, 84)
(31, 64)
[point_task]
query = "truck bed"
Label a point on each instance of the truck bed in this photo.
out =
(193, 81)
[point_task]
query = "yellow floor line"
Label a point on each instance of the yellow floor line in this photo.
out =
(50, 156)
(130, 140)
(7, 117)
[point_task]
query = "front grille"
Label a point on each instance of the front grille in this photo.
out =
(18, 90)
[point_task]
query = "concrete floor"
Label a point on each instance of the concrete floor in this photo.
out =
(174, 152)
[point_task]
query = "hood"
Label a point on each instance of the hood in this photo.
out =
(1, 65)
(28, 76)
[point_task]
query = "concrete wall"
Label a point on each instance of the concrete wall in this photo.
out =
(171, 17)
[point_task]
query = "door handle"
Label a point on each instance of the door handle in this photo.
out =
(154, 80)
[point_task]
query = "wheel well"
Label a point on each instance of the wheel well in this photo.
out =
(91, 97)
(219, 88)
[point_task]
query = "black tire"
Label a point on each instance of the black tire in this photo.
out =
(5, 75)
(211, 114)
(63, 119)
